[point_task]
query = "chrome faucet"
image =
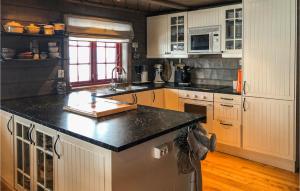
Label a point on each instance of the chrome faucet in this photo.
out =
(113, 84)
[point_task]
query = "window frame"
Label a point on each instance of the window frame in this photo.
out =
(93, 65)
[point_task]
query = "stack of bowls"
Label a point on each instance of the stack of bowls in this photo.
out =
(8, 53)
(53, 50)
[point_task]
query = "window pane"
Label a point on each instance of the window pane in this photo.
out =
(101, 71)
(73, 55)
(84, 54)
(84, 43)
(73, 73)
(110, 55)
(100, 55)
(73, 43)
(109, 68)
(100, 43)
(84, 72)
(111, 44)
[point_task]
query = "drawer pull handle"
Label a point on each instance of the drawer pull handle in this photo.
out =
(226, 105)
(55, 150)
(30, 134)
(226, 124)
(229, 99)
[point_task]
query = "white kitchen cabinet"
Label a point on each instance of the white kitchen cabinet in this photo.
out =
(171, 99)
(34, 157)
(232, 31)
(268, 127)
(269, 48)
(177, 35)
(82, 166)
(7, 149)
(157, 36)
(227, 119)
(204, 17)
(158, 98)
(167, 36)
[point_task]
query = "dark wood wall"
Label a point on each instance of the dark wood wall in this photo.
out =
(23, 80)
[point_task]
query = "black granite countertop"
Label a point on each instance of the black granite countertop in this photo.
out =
(106, 92)
(116, 132)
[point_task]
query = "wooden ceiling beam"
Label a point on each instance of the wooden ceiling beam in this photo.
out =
(167, 4)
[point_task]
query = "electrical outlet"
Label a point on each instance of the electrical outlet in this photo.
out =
(160, 151)
(61, 74)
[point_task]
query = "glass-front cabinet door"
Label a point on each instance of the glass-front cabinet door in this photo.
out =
(177, 44)
(44, 159)
(233, 30)
(23, 155)
(35, 158)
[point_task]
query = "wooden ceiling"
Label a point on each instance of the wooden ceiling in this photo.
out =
(154, 6)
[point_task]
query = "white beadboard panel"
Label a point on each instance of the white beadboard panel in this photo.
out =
(82, 166)
(7, 149)
(229, 134)
(227, 112)
(269, 48)
(157, 36)
(268, 127)
(204, 17)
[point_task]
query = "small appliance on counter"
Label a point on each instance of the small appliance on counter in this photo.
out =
(183, 75)
(158, 73)
(144, 75)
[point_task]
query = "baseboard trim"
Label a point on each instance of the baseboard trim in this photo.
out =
(258, 157)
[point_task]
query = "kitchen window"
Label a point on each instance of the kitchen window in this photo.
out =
(91, 62)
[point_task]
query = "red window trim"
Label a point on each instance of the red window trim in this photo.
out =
(93, 62)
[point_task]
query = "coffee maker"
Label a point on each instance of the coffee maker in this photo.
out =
(183, 75)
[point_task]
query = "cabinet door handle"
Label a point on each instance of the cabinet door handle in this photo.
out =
(244, 88)
(133, 98)
(226, 105)
(226, 124)
(7, 125)
(244, 103)
(229, 99)
(136, 99)
(55, 144)
(154, 96)
(32, 141)
(28, 133)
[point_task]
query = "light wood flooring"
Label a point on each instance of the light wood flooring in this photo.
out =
(222, 172)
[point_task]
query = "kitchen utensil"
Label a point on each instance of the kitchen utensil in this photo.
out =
(52, 44)
(43, 55)
(99, 108)
(14, 27)
(32, 29)
(8, 53)
(53, 49)
(48, 30)
(54, 54)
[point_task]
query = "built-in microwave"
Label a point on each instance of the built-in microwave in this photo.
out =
(203, 40)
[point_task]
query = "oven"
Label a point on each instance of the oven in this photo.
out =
(200, 103)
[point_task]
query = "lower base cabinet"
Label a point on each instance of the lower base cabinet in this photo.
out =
(82, 166)
(7, 148)
(268, 127)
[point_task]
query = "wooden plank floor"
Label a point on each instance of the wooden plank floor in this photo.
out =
(222, 172)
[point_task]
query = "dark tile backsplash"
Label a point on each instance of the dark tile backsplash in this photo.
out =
(215, 71)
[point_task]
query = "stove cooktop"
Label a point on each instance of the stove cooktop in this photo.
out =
(203, 87)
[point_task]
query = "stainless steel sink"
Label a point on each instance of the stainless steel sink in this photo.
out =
(129, 88)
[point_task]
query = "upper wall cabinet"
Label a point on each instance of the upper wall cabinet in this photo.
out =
(270, 48)
(167, 36)
(157, 36)
(205, 17)
(232, 31)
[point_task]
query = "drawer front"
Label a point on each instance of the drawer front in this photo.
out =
(227, 112)
(205, 96)
(228, 98)
(228, 133)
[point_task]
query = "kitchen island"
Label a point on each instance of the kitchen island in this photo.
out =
(110, 153)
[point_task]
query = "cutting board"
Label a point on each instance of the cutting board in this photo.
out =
(99, 108)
